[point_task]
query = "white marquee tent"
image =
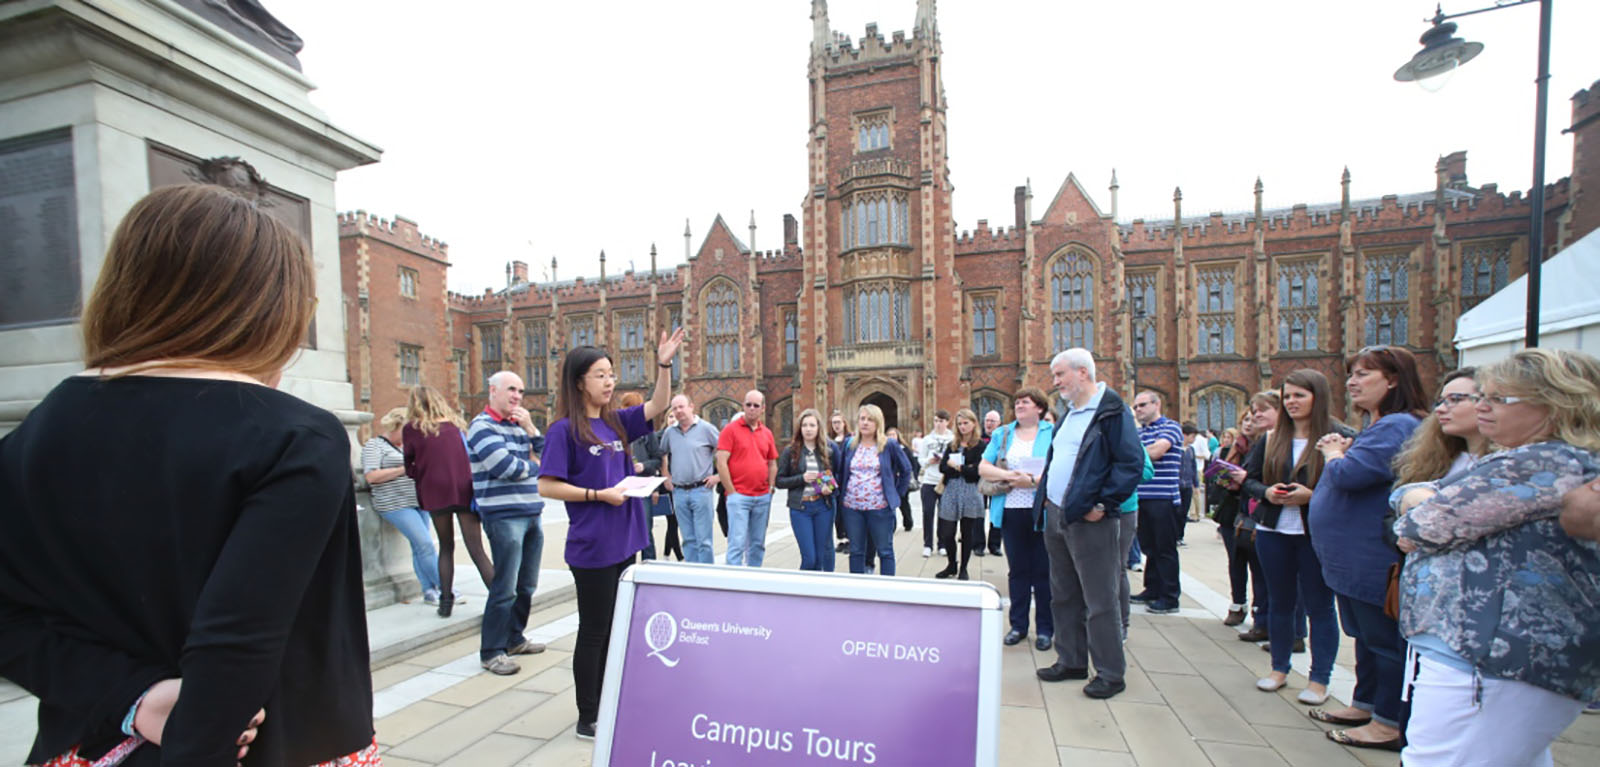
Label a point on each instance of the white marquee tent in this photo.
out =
(1569, 309)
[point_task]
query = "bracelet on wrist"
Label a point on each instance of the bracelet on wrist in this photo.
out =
(661, 364)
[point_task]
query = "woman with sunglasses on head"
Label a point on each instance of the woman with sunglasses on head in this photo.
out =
(199, 596)
(1496, 599)
(585, 460)
(1347, 529)
(1281, 473)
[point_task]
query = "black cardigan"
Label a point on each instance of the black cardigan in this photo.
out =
(168, 527)
(792, 474)
(971, 457)
(1267, 512)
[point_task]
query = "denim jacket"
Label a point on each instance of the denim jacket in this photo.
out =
(1497, 580)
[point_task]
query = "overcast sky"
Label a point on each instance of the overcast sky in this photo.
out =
(535, 129)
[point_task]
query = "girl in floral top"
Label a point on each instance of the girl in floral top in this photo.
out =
(1497, 601)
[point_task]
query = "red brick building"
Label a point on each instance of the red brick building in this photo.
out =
(882, 301)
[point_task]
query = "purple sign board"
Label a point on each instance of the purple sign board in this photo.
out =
(798, 676)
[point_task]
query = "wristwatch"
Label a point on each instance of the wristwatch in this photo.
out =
(1100, 507)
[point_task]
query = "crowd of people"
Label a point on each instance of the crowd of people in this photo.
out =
(210, 579)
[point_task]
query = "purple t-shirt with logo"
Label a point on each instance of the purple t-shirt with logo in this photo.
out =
(599, 534)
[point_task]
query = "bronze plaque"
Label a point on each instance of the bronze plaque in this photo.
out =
(40, 281)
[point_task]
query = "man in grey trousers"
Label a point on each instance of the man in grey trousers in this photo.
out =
(1094, 464)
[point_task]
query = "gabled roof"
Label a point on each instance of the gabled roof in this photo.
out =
(1061, 199)
(719, 223)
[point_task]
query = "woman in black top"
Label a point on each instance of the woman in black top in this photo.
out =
(220, 546)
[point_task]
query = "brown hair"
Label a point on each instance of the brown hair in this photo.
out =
(977, 429)
(427, 406)
(1029, 392)
(1280, 444)
(569, 398)
(1428, 454)
(197, 276)
(824, 444)
(1400, 366)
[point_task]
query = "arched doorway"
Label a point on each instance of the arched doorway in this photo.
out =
(886, 403)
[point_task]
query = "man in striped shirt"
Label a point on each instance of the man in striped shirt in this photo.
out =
(504, 446)
(1159, 500)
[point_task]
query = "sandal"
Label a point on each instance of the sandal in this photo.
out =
(1322, 715)
(1342, 737)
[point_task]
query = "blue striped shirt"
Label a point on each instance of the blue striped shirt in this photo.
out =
(1168, 466)
(505, 482)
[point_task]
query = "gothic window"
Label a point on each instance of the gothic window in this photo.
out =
(875, 218)
(1298, 306)
(674, 321)
(459, 357)
(720, 412)
(877, 313)
(872, 132)
(722, 328)
(1146, 311)
(580, 331)
(631, 354)
(410, 365)
(791, 339)
(782, 420)
(1485, 269)
(984, 338)
(489, 351)
(1219, 409)
(1071, 302)
(408, 282)
(1214, 299)
(984, 401)
(535, 347)
(1388, 299)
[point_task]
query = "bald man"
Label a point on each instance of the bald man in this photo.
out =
(747, 463)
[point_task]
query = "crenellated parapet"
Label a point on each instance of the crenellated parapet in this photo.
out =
(983, 239)
(401, 232)
(870, 49)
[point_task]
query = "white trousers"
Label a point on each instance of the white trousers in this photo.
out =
(1461, 719)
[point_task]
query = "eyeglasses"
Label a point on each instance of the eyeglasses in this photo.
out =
(602, 376)
(752, 404)
(1378, 349)
(1455, 399)
(1496, 399)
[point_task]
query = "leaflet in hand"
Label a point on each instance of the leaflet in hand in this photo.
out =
(1033, 464)
(640, 487)
(1219, 466)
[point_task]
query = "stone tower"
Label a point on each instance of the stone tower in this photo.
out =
(879, 302)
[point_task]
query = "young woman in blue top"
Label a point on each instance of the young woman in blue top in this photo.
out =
(585, 459)
(1347, 524)
(1029, 578)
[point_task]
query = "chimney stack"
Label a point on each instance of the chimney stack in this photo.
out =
(791, 231)
(1455, 169)
(1020, 199)
(519, 272)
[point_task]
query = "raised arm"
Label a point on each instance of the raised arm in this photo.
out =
(661, 399)
(490, 450)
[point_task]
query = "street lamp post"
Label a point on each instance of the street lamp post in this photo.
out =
(1441, 53)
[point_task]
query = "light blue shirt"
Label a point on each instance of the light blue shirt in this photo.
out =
(1068, 440)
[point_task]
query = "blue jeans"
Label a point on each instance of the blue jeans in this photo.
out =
(1134, 555)
(516, 545)
(695, 507)
(813, 533)
(1029, 577)
(660, 507)
(1380, 660)
(747, 529)
(415, 525)
(1294, 577)
(870, 527)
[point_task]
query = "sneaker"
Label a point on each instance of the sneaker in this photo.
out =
(1235, 616)
(871, 569)
(1136, 567)
(430, 597)
(1592, 708)
(501, 664)
(1161, 608)
(585, 731)
(843, 547)
(928, 552)
(460, 598)
(526, 647)
(942, 552)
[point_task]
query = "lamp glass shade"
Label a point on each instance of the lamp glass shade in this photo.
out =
(1441, 54)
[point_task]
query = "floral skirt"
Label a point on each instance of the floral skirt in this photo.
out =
(961, 500)
(366, 757)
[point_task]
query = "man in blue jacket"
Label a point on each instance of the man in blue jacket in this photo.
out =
(1094, 464)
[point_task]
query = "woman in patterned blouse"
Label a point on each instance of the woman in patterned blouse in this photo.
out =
(1497, 601)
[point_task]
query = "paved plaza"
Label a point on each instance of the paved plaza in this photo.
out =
(1191, 697)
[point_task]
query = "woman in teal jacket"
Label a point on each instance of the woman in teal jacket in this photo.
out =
(1023, 444)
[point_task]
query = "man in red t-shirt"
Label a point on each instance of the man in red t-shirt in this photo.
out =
(747, 464)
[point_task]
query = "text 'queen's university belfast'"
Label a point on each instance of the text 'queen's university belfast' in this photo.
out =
(875, 297)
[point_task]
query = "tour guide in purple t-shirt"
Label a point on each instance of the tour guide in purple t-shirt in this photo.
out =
(585, 458)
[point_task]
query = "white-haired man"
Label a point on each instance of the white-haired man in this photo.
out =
(504, 446)
(1094, 464)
